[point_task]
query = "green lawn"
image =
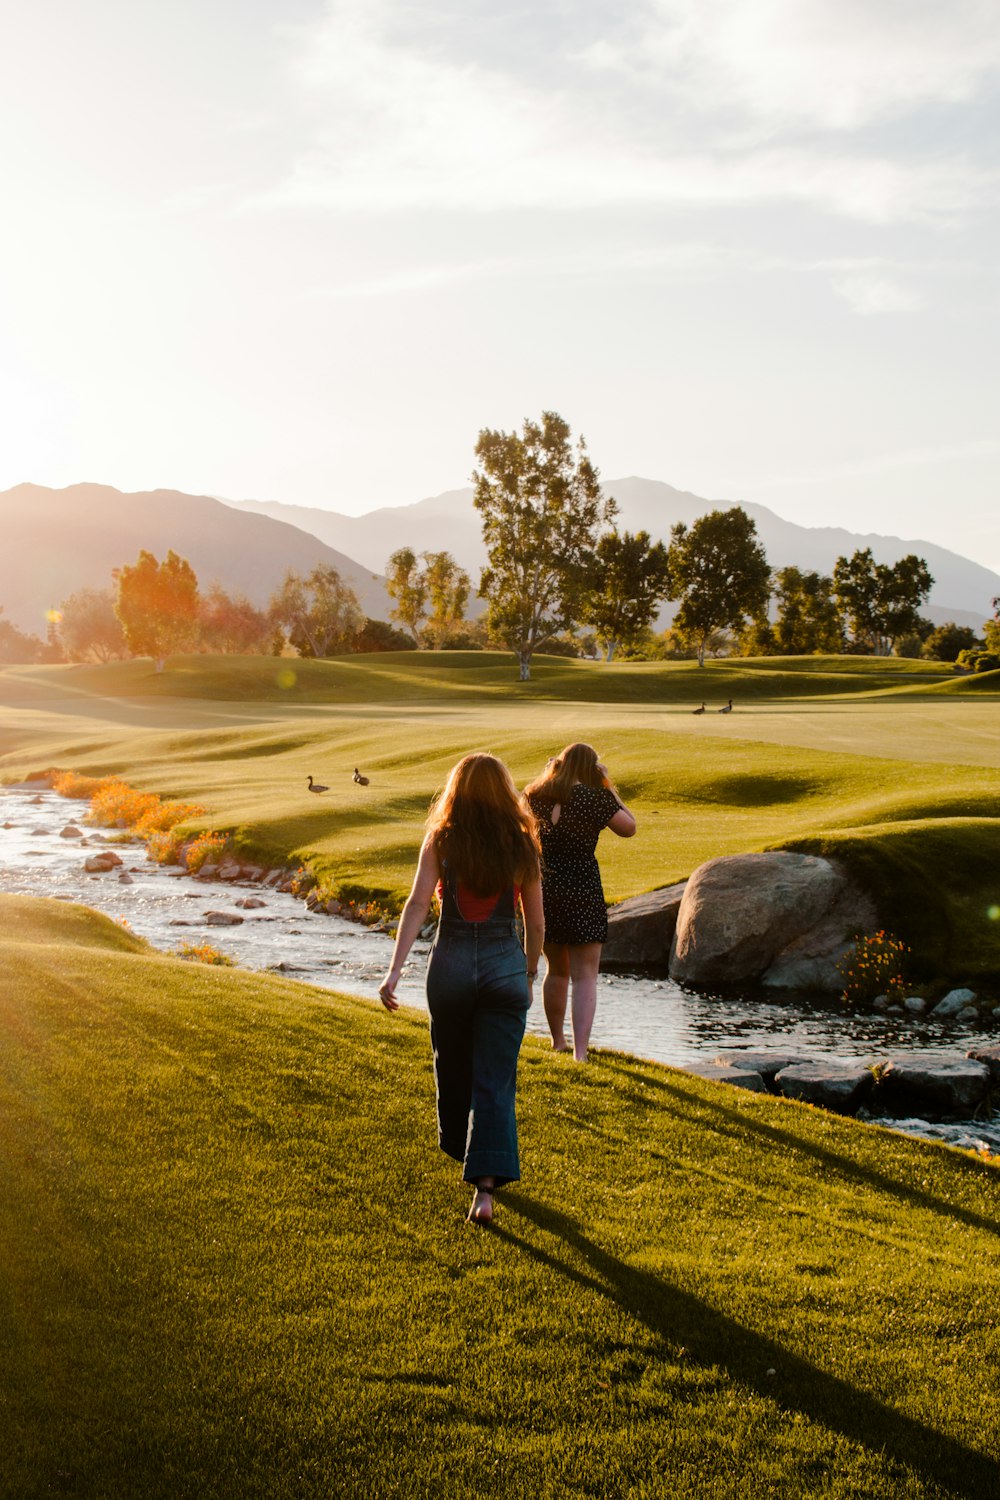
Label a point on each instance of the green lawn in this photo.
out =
(234, 1263)
(815, 748)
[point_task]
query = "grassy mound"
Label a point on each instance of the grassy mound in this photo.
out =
(235, 1263)
(937, 884)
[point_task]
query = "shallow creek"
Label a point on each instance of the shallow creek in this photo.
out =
(648, 1016)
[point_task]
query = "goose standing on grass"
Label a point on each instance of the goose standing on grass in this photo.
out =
(361, 780)
(700, 710)
(728, 708)
(314, 786)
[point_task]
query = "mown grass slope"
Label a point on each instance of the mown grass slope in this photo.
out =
(235, 1263)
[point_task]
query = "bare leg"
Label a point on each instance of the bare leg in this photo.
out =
(555, 992)
(585, 961)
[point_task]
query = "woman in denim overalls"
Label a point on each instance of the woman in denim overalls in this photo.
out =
(480, 854)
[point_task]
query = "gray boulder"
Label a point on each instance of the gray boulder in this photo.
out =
(840, 1087)
(990, 1057)
(915, 1004)
(781, 919)
(741, 1078)
(953, 1002)
(641, 929)
(251, 903)
(767, 1064)
(98, 863)
(934, 1088)
(230, 870)
(223, 919)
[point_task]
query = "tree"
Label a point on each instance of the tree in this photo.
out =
(542, 509)
(16, 647)
(991, 630)
(157, 604)
(944, 643)
(319, 614)
(628, 577)
(90, 628)
(377, 635)
(231, 625)
(881, 603)
(448, 588)
(808, 619)
(719, 572)
(406, 584)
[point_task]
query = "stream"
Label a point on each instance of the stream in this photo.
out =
(651, 1017)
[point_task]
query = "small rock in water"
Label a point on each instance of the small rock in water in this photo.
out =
(251, 903)
(953, 1002)
(995, 1012)
(180, 922)
(98, 863)
(969, 1013)
(38, 833)
(223, 919)
(37, 801)
(10, 825)
(125, 878)
(71, 832)
(881, 1002)
(915, 1004)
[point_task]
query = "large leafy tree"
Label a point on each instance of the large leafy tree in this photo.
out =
(541, 504)
(406, 585)
(808, 619)
(90, 628)
(991, 630)
(16, 646)
(320, 614)
(157, 604)
(881, 603)
(230, 624)
(719, 573)
(628, 577)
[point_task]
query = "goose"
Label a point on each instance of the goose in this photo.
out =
(700, 710)
(314, 786)
(728, 708)
(361, 780)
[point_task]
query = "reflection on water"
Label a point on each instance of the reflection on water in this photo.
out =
(648, 1016)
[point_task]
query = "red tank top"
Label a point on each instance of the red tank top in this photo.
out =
(476, 908)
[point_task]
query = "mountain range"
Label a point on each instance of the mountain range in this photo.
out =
(56, 542)
(963, 590)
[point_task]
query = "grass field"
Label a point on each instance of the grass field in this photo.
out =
(816, 749)
(234, 1264)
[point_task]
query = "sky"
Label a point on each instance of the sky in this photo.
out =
(304, 251)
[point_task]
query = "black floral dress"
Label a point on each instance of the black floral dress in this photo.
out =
(571, 880)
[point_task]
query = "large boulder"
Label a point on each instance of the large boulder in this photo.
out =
(836, 1086)
(768, 1064)
(934, 1088)
(783, 920)
(641, 929)
(990, 1055)
(741, 1078)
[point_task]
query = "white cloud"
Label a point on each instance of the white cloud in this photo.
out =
(869, 294)
(394, 125)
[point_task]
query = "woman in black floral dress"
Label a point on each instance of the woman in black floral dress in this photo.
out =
(573, 801)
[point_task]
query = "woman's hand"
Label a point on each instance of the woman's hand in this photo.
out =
(387, 990)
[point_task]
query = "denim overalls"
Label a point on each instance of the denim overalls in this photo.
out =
(477, 995)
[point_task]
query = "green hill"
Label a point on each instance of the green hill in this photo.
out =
(235, 1264)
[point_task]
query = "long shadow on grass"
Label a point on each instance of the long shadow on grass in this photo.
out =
(712, 1339)
(739, 1124)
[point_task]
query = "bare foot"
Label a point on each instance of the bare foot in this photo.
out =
(481, 1211)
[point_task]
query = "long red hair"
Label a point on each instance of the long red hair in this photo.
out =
(577, 763)
(483, 828)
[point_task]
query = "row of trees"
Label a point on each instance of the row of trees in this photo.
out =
(552, 565)
(156, 609)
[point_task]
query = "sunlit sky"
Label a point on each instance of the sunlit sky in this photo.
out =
(304, 251)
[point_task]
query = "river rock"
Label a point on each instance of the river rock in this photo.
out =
(915, 1004)
(641, 929)
(935, 1088)
(251, 903)
(783, 919)
(953, 1002)
(741, 1078)
(71, 832)
(98, 863)
(840, 1087)
(767, 1064)
(124, 878)
(229, 870)
(990, 1057)
(223, 919)
(252, 872)
(208, 871)
(39, 833)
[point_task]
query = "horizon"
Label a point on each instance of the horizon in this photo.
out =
(316, 247)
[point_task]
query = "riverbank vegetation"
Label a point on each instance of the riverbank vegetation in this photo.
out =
(235, 1263)
(857, 755)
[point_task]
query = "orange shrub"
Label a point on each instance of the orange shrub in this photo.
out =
(204, 953)
(206, 848)
(118, 805)
(166, 815)
(72, 784)
(164, 846)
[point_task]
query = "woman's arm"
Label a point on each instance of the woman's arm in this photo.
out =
(623, 821)
(418, 904)
(534, 923)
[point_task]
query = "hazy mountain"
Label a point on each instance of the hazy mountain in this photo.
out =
(58, 541)
(962, 591)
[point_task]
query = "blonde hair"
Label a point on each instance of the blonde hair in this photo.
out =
(577, 763)
(483, 828)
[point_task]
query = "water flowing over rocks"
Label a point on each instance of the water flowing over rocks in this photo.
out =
(781, 920)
